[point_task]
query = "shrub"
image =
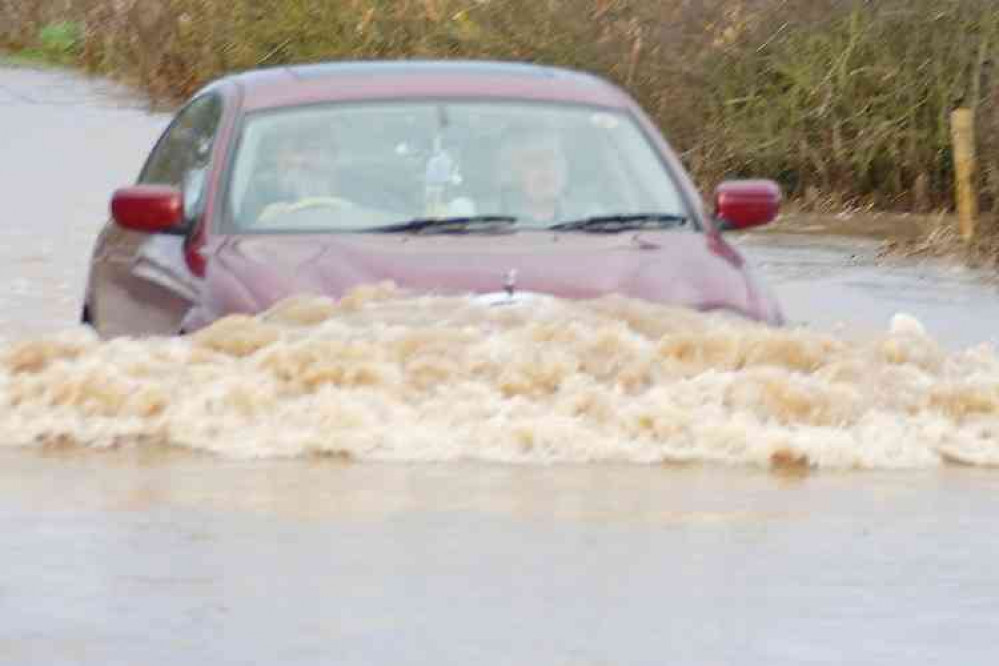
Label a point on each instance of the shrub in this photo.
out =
(842, 99)
(855, 97)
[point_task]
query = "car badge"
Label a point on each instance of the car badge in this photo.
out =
(510, 283)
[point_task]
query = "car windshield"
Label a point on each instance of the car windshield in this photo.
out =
(357, 167)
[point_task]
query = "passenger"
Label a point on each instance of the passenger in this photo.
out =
(533, 177)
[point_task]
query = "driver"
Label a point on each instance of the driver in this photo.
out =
(297, 167)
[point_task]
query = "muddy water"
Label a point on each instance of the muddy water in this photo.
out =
(383, 375)
(63, 147)
(835, 283)
(225, 499)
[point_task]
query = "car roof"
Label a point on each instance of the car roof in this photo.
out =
(415, 79)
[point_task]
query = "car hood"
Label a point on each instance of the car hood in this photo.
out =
(248, 274)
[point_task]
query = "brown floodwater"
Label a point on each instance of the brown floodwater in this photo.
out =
(429, 480)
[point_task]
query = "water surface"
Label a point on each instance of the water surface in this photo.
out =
(149, 520)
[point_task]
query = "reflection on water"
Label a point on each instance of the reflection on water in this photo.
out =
(145, 479)
(386, 376)
(157, 556)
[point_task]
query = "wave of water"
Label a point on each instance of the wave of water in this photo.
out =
(384, 376)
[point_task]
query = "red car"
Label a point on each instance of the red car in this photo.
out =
(444, 177)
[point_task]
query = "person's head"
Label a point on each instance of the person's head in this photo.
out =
(534, 164)
(303, 161)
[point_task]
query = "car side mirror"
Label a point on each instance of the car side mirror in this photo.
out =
(149, 208)
(741, 204)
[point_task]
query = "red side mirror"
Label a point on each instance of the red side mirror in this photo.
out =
(741, 204)
(148, 208)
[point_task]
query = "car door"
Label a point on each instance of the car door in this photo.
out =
(140, 284)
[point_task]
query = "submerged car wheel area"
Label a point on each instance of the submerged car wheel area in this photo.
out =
(439, 176)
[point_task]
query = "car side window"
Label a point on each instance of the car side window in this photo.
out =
(181, 157)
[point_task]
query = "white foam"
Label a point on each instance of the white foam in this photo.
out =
(382, 376)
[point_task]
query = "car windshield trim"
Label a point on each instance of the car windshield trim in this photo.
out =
(623, 222)
(448, 225)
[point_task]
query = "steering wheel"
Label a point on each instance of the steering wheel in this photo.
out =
(319, 202)
(283, 208)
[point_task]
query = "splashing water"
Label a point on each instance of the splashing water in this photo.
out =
(381, 375)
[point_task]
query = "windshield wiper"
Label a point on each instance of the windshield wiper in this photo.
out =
(609, 224)
(450, 225)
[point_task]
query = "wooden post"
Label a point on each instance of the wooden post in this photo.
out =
(962, 125)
